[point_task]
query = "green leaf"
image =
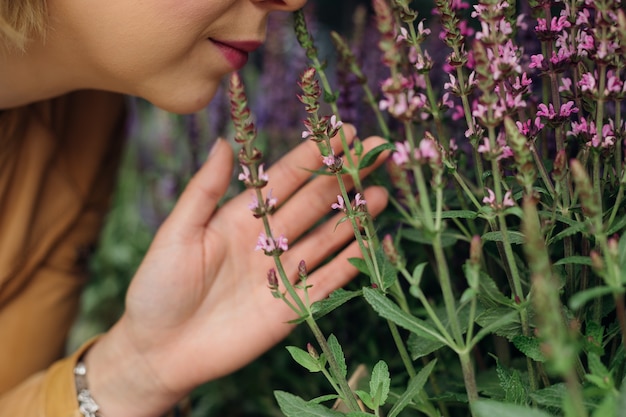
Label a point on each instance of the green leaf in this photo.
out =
(418, 271)
(530, 347)
(514, 238)
(418, 236)
(366, 398)
(459, 214)
(488, 290)
(380, 383)
(496, 326)
(334, 300)
(552, 397)
(572, 230)
(420, 347)
(600, 375)
(294, 406)
(509, 329)
(388, 310)
(592, 342)
(608, 407)
(617, 227)
(576, 260)
(579, 299)
(388, 272)
(359, 263)
(324, 398)
(358, 414)
(304, 359)
(370, 157)
(511, 382)
(416, 384)
(488, 408)
(337, 352)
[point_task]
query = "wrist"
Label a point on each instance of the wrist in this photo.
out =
(122, 381)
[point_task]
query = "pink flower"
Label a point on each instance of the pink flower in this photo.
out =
(546, 111)
(490, 198)
(587, 82)
(339, 205)
(401, 155)
(245, 175)
(508, 200)
(254, 205)
(359, 201)
(270, 200)
(536, 61)
(329, 160)
(566, 84)
(271, 246)
(333, 126)
(485, 147)
(421, 31)
(262, 176)
(281, 243)
(568, 109)
(428, 151)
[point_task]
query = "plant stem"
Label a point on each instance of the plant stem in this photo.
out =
(348, 395)
(469, 376)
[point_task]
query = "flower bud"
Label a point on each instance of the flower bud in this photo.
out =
(302, 272)
(597, 263)
(312, 351)
(272, 279)
(476, 247)
(559, 169)
(391, 252)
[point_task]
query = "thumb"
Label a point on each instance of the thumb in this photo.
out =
(198, 202)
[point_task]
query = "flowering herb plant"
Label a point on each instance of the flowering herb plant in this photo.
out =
(503, 253)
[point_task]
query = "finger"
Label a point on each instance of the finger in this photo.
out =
(313, 201)
(291, 171)
(331, 236)
(198, 202)
(333, 275)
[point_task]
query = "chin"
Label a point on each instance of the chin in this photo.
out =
(184, 102)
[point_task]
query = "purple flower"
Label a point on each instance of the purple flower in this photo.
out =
(270, 200)
(401, 155)
(339, 205)
(490, 198)
(262, 175)
(508, 201)
(587, 82)
(536, 61)
(271, 246)
(359, 201)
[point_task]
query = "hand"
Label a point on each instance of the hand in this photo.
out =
(199, 306)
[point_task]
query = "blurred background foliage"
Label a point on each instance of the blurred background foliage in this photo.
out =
(163, 151)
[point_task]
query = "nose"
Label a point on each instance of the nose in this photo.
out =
(281, 5)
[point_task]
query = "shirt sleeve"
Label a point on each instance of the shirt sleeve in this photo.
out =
(56, 179)
(51, 393)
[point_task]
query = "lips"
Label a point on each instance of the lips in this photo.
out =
(236, 52)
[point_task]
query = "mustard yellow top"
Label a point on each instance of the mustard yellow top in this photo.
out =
(56, 178)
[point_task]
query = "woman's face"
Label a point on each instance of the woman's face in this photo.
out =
(170, 52)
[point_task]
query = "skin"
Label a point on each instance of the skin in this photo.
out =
(198, 307)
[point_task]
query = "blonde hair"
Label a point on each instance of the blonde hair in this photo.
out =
(21, 20)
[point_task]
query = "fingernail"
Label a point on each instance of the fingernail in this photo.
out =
(214, 147)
